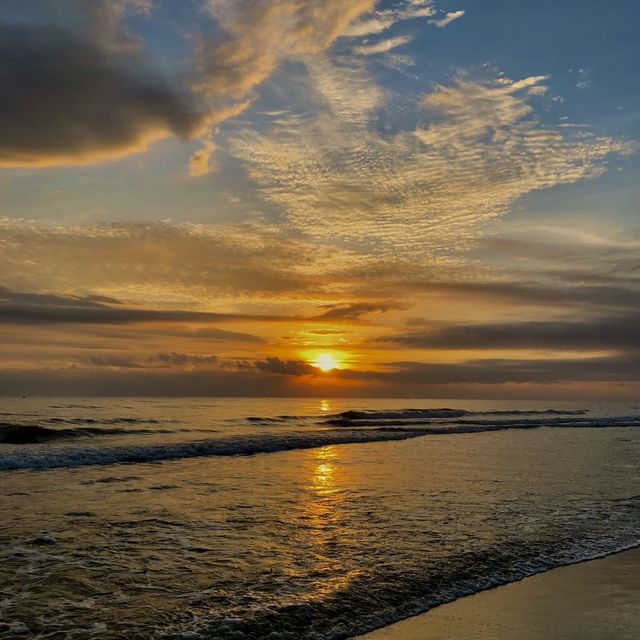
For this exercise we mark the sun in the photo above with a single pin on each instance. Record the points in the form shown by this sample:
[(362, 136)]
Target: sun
[(326, 362)]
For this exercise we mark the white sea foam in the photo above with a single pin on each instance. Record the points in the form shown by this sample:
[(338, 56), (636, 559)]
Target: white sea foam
[(352, 430)]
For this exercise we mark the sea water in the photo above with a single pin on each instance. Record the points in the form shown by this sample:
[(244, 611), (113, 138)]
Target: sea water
[(295, 519)]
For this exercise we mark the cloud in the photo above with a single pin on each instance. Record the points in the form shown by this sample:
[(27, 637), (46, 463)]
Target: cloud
[(204, 334), (353, 310), (286, 367), (260, 34), (76, 93), (620, 368), (584, 377), (571, 266), (328, 332), (172, 358), (45, 308), (197, 261), (66, 101), (154, 361), (559, 294), (608, 333), (384, 19), (382, 46), (336, 175), (111, 360), (450, 17), (103, 22), (85, 64), (187, 332), (199, 382), (201, 163), (607, 257), (34, 308), (584, 79), (231, 266), (48, 299), (214, 334)]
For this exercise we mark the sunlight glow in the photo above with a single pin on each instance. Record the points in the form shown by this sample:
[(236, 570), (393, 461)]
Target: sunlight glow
[(326, 362)]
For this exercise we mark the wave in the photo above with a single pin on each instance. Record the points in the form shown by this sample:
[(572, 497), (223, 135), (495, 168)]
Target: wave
[(104, 421), (372, 601), (521, 412), (242, 445), (381, 593), (444, 413), (440, 413), (271, 419), (519, 423), (400, 414), (380, 431), (14, 433)]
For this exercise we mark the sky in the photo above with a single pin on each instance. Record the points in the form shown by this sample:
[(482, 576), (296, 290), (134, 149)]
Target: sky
[(404, 198)]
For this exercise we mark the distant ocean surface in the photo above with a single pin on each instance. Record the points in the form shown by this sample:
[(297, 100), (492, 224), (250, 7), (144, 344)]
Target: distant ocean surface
[(295, 519)]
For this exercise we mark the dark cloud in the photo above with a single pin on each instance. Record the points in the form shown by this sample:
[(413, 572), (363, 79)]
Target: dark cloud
[(157, 360), (615, 286), (541, 378), (579, 262), (220, 335), (181, 359), (611, 333), (530, 293), (559, 269), (33, 308), (502, 371), (90, 382), (353, 311), (113, 360), (64, 100), (286, 367), (49, 299), (187, 331), (198, 382), (565, 247)]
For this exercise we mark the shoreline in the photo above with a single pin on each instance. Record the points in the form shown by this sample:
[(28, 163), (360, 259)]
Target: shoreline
[(592, 599)]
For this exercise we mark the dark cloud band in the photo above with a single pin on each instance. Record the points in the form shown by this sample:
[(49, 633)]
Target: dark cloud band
[(610, 333)]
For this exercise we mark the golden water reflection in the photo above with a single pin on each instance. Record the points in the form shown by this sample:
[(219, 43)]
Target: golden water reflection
[(323, 477), (325, 405), (327, 532)]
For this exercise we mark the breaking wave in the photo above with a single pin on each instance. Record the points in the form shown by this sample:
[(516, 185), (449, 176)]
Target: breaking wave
[(383, 597), (349, 432), (14, 433), (618, 421), (105, 421), (446, 413), (241, 445)]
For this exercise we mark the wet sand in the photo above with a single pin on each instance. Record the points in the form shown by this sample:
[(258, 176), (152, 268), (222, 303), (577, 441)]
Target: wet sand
[(596, 600)]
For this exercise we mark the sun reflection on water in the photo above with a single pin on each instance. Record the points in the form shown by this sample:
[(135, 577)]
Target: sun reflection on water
[(326, 527), (322, 479)]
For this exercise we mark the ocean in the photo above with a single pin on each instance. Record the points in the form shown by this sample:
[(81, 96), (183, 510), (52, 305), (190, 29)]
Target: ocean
[(295, 519)]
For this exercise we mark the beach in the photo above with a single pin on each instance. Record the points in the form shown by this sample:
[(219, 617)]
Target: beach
[(595, 600)]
